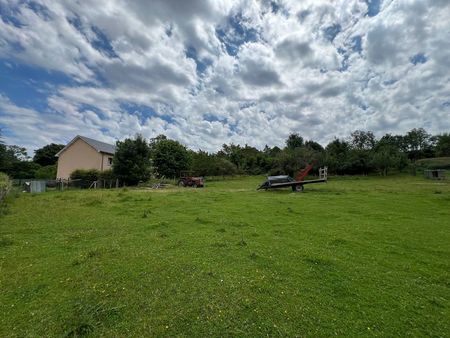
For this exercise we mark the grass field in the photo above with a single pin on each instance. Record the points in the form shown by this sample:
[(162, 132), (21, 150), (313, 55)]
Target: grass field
[(354, 257)]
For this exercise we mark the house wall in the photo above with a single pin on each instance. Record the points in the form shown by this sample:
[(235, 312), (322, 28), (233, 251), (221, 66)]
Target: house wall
[(79, 155), (105, 161)]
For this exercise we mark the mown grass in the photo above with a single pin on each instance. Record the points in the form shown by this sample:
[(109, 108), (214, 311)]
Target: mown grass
[(354, 257)]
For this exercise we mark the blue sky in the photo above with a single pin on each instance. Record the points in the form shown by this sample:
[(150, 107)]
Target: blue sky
[(213, 72)]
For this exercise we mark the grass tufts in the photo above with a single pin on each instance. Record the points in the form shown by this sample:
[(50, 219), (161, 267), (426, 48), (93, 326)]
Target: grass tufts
[(219, 245), (5, 241), (92, 202), (80, 330), (242, 242)]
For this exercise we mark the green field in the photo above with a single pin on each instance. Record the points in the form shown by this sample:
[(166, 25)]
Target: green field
[(354, 257)]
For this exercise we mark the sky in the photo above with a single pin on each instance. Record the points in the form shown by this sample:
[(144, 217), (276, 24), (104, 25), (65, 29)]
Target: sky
[(222, 71)]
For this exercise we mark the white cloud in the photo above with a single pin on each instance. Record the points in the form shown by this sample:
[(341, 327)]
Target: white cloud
[(214, 72)]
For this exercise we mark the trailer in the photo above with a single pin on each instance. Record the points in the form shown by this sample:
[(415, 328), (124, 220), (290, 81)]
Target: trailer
[(297, 184)]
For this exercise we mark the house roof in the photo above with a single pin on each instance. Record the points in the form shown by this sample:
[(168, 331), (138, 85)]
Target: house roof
[(101, 147)]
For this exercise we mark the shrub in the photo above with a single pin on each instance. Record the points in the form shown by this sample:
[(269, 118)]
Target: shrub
[(85, 175), (107, 175)]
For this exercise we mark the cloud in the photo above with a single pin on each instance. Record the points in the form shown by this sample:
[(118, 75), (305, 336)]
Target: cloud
[(214, 72)]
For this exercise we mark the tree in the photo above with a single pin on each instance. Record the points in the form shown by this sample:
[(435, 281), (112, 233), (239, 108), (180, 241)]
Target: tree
[(223, 167), (337, 156), (313, 145), (233, 153), (292, 160), (23, 169), (293, 141), (443, 145), (363, 140), (253, 161), (387, 155), (46, 172), (202, 163), (46, 155), (14, 161), (205, 164), (169, 157), (361, 152), (131, 162), (416, 141), (395, 141)]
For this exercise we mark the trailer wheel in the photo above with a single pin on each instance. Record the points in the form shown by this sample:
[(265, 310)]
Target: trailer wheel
[(298, 188), (180, 183)]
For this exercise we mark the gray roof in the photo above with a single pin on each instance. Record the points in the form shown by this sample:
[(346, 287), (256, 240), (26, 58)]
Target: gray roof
[(101, 147)]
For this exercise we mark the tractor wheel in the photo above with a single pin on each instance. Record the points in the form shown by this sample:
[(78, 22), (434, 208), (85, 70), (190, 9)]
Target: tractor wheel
[(194, 185), (180, 183)]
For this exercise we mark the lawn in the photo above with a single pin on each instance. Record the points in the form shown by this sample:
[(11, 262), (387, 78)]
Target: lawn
[(353, 257)]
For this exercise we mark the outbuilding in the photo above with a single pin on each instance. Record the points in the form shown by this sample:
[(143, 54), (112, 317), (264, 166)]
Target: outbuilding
[(84, 153), (436, 174)]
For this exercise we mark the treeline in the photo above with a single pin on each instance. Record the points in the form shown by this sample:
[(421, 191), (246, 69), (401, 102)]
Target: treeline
[(137, 159), (360, 153), (15, 162)]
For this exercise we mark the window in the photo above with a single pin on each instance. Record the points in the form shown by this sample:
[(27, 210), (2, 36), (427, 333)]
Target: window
[(110, 160)]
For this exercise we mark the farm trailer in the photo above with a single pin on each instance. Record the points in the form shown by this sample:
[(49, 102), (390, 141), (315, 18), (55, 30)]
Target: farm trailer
[(297, 184)]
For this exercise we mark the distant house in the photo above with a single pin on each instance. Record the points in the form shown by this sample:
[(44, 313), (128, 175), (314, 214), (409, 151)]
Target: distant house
[(84, 153)]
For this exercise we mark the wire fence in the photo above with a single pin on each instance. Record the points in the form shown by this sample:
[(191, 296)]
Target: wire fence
[(29, 184), (63, 184)]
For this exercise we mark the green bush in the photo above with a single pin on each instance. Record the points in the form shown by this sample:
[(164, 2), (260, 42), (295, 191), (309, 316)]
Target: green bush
[(89, 175), (107, 175)]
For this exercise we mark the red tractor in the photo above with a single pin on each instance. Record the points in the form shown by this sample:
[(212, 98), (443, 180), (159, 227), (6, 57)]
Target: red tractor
[(187, 180)]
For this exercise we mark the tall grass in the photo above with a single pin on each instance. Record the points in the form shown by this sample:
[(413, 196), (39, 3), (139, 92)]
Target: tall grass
[(5, 186)]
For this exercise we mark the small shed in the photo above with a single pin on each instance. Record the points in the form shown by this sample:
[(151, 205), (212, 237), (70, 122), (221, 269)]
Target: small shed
[(435, 174), (35, 186)]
